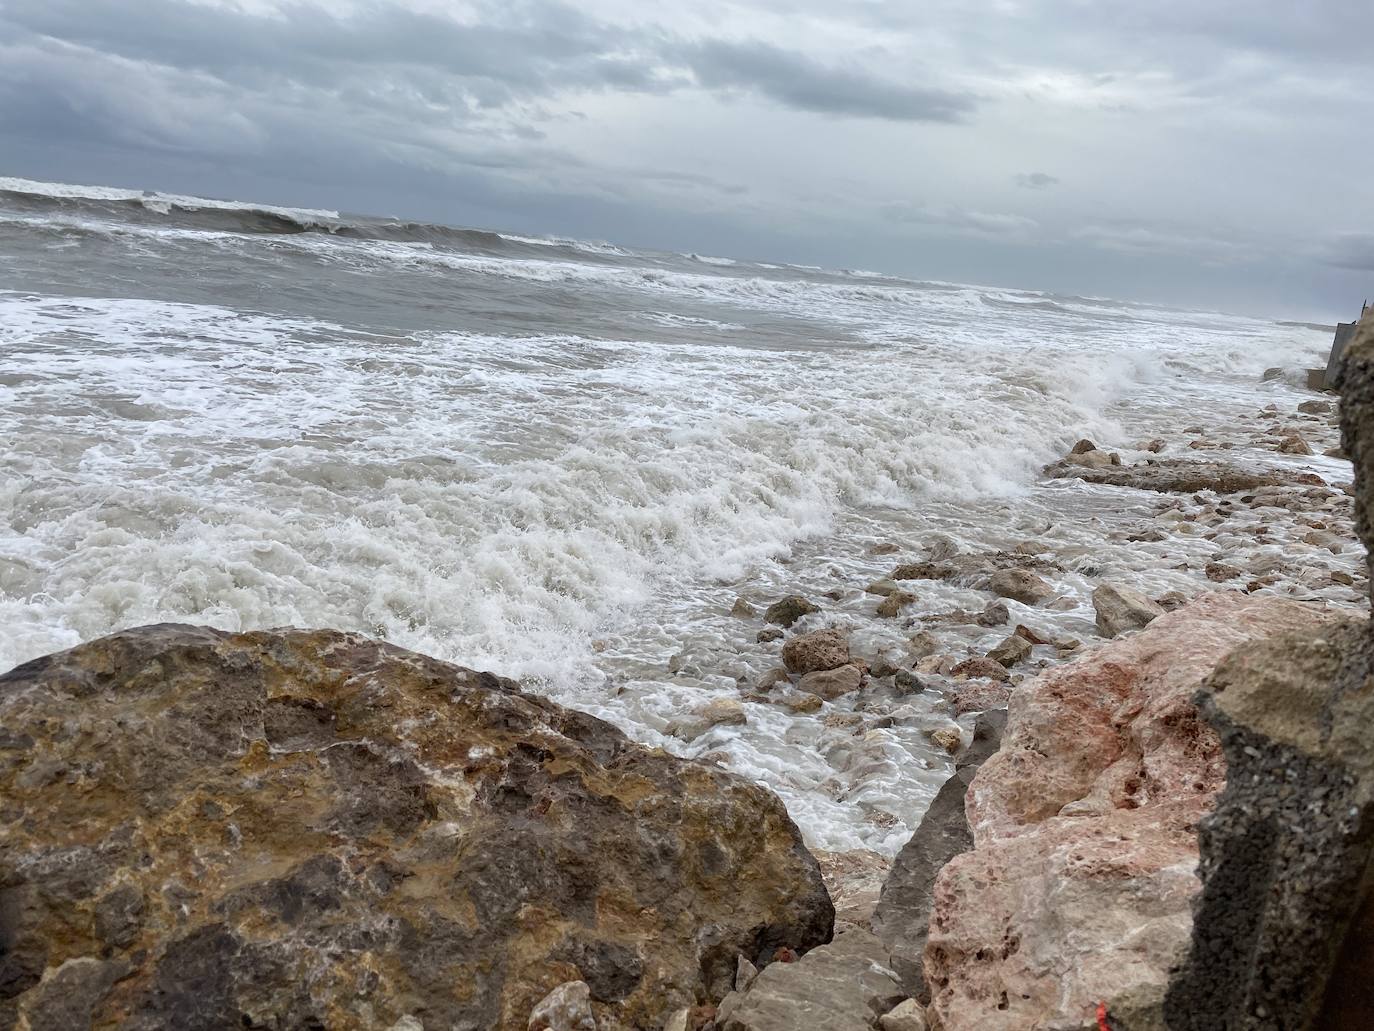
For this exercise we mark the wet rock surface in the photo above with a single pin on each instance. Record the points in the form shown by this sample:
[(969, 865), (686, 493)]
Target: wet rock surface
[(1079, 887), (310, 829)]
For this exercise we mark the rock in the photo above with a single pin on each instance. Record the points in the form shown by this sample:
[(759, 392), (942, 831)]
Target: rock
[(951, 739), (567, 1008), (995, 613), (742, 609), (1286, 853), (1020, 585), (1336, 452), (893, 604), (882, 588), (909, 1016), (681, 1020), (723, 712), (774, 678), (1083, 447), (1011, 651), (843, 986), (980, 666), (1172, 600), (1120, 609), (818, 650), (1219, 572), (907, 682), (1094, 460), (1175, 476), (1272, 373), (922, 643), (830, 684), (1316, 407), (854, 879), (1154, 446), (745, 972), (885, 548), (312, 829), (788, 610), (922, 571), (902, 917), (942, 664), (1026, 633), (882, 667), (769, 634), (803, 704), (979, 696), (1084, 831), (1293, 444)]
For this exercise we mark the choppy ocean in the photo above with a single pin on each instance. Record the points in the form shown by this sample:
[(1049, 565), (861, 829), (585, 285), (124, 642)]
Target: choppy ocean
[(558, 460)]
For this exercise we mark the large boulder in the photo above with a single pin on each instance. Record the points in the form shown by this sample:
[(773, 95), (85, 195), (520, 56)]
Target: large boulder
[(1079, 887), (297, 829)]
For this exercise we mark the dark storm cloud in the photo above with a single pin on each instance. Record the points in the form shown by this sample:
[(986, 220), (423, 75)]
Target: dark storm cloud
[(1036, 180), (514, 51), (796, 81)]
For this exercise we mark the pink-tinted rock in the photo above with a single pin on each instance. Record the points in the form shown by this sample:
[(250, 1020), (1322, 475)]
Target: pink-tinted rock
[(1079, 887)]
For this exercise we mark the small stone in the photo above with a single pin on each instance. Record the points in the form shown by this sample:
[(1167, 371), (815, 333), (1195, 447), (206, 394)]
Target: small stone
[(803, 704), (893, 604), (909, 1016), (745, 972), (769, 633), (1083, 447), (1011, 651), (951, 739), (1342, 577), (773, 678), (1120, 609), (941, 664), (1030, 635), (830, 684), (1219, 572), (885, 548), (923, 643), (1316, 407), (979, 696), (742, 609), (567, 1008), (980, 667), (882, 588), (1294, 445), (1335, 452), (788, 610), (679, 1020), (1020, 585), (723, 712), (1153, 446), (883, 667), (818, 650), (995, 613), (908, 683), (1172, 600)]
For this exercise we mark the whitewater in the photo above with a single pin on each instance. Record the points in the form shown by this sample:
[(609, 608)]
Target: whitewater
[(561, 461)]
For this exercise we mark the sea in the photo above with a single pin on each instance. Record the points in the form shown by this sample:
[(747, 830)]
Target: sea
[(564, 460)]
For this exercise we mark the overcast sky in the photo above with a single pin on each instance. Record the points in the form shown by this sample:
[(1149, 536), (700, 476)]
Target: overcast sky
[(1206, 152)]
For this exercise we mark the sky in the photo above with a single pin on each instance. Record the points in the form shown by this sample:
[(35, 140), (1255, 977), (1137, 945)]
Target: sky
[(1211, 153)]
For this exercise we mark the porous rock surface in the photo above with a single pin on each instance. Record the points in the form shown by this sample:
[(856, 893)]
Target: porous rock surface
[(1079, 886), (310, 829)]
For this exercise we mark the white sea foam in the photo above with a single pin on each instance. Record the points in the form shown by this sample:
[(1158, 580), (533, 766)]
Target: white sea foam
[(570, 510)]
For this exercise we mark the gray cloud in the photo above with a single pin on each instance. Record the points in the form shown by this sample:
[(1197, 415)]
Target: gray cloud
[(981, 222), (1036, 180), (796, 81), (1350, 251)]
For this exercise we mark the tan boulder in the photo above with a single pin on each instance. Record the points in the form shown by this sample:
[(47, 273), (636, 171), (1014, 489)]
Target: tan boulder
[(1120, 609), (1084, 827), (830, 684), (310, 829), (1020, 585), (818, 650), (893, 604)]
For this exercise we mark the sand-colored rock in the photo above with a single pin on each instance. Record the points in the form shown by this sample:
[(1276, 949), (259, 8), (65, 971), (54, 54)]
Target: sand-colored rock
[(567, 1008), (1120, 609), (818, 650), (894, 603), (981, 666), (1080, 884), (1020, 585), (830, 684), (788, 610), (312, 829)]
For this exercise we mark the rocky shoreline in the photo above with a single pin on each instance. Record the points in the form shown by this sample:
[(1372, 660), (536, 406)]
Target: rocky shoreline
[(312, 829)]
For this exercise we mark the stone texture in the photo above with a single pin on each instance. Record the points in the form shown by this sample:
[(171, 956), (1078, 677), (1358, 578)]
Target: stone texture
[(1011, 651), (981, 666), (788, 610), (901, 919), (830, 684), (818, 650), (1080, 884), (567, 1008), (909, 1016), (844, 986), (1176, 476), (309, 829), (1020, 585), (1120, 609), (721, 712), (1286, 851), (894, 603)]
